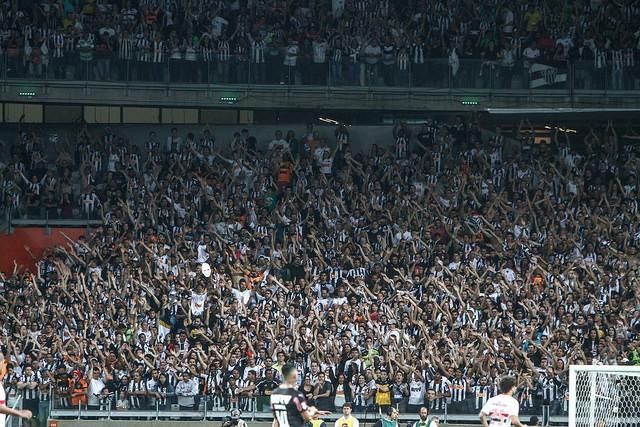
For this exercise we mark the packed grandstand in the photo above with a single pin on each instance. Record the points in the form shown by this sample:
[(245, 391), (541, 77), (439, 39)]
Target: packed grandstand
[(472, 43), (417, 272), (412, 273)]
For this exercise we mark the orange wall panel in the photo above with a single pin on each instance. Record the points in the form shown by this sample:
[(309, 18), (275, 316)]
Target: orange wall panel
[(37, 239)]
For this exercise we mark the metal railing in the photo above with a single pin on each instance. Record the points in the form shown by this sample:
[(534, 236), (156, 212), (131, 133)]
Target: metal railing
[(119, 405), (41, 217), (433, 73), (217, 408), (256, 408)]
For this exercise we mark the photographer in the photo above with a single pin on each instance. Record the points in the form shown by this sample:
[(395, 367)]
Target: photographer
[(234, 420)]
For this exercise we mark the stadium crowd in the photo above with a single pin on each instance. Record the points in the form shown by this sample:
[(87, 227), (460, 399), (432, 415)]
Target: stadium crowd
[(358, 42), (406, 275)]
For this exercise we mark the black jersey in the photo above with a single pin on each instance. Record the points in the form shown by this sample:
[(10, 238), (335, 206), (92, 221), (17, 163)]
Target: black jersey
[(287, 405)]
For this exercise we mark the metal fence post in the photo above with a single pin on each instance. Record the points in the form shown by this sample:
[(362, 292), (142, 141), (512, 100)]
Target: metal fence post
[(446, 413), (205, 406), (10, 220), (20, 422)]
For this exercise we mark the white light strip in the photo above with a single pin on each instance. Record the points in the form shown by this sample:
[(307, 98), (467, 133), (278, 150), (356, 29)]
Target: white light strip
[(326, 120)]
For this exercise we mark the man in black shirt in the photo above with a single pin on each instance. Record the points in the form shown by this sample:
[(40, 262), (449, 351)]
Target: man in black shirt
[(265, 388), (289, 406)]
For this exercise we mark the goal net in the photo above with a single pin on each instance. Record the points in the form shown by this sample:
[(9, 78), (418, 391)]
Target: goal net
[(604, 396)]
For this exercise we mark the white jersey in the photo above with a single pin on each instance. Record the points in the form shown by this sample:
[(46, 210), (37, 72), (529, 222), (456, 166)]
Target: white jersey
[(500, 409), (198, 303), (416, 393)]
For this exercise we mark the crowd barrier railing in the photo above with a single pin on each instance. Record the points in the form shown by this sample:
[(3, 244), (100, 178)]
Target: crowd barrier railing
[(449, 73)]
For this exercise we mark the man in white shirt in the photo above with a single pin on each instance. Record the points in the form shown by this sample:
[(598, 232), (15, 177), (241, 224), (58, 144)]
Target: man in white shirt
[(319, 48), (186, 390), (319, 152), (290, 62), (508, 274), (507, 19), (372, 53), (244, 294), (152, 388), (417, 393), (502, 410), (96, 385), (279, 143), (530, 54), (174, 142)]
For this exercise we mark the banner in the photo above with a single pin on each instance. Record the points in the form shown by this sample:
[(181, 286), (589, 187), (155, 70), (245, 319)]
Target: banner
[(544, 75), (164, 329), (197, 303)]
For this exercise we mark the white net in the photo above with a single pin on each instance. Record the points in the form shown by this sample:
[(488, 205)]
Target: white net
[(604, 396)]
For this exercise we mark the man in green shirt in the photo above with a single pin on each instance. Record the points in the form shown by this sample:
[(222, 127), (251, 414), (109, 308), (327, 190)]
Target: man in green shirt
[(425, 420), (390, 419)]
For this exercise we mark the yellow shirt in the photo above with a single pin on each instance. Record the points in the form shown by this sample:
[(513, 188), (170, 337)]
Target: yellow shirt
[(383, 394), (533, 19), (347, 422)]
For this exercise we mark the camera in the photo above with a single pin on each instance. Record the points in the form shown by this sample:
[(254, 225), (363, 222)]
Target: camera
[(234, 420), (229, 422)]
